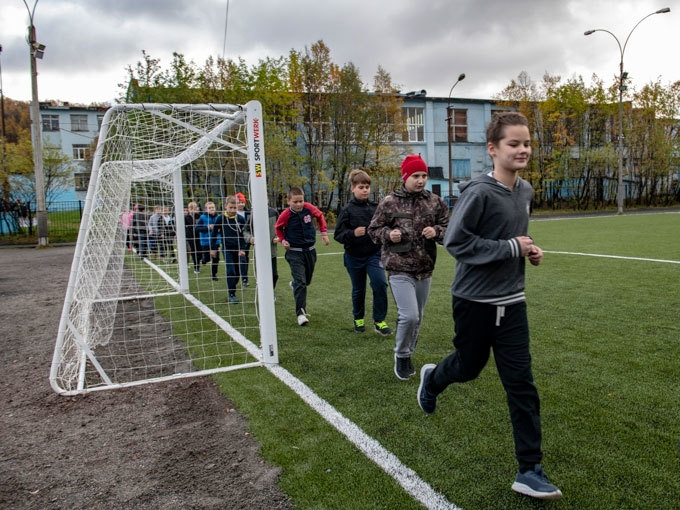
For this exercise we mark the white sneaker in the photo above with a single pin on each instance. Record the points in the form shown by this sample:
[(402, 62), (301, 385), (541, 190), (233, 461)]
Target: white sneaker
[(302, 319)]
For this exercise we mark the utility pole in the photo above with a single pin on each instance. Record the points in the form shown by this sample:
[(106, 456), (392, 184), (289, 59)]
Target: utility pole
[(37, 50), (5, 191)]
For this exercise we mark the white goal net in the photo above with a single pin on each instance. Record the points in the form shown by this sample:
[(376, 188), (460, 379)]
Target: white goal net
[(166, 281)]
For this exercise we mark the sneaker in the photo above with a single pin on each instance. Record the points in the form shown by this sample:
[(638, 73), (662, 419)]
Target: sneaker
[(382, 328), (426, 400), (536, 485), (215, 279), (233, 298), (244, 283), (411, 368), (359, 325), (197, 271), (302, 318), (401, 368)]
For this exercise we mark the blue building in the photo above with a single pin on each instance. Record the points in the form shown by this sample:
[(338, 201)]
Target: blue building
[(426, 125), (73, 129)]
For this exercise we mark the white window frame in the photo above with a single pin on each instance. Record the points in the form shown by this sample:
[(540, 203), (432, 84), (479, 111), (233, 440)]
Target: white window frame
[(77, 123), (80, 151), (50, 122), (414, 124)]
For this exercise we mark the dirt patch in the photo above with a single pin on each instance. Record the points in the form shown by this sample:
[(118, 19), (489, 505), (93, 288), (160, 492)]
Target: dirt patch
[(169, 445)]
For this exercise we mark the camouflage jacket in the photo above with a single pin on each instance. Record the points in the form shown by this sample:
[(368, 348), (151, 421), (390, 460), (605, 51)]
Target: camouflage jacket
[(411, 213)]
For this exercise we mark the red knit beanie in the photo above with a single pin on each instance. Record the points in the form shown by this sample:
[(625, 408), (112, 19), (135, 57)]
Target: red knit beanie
[(412, 163)]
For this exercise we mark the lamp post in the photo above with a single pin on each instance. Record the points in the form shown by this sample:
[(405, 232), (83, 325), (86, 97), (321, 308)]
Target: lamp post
[(37, 50), (622, 87), (449, 131)]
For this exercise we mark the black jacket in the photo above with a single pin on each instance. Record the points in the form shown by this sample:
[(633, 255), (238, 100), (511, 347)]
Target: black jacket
[(357, 213)]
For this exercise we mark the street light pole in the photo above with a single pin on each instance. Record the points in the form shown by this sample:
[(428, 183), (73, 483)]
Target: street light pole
[(36, 51), (622, 87), (449, 131)]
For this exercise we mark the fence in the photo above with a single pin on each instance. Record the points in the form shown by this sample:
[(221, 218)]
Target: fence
[(18, 223)]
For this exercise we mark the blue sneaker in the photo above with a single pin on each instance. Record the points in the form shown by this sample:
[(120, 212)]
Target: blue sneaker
[(536, 485), (233, 298), (426, 400)]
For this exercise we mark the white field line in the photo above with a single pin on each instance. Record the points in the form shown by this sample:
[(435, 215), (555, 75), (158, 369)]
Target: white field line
[(612, 256), (404, 476), (387, 461)]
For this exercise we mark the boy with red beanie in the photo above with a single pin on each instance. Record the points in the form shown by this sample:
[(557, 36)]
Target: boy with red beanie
[(408, 223)]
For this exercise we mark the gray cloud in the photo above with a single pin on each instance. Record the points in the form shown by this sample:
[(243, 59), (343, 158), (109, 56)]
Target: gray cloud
[(421, 44)]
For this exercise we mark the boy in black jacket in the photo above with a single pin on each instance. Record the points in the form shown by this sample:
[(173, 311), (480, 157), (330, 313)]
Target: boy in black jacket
[(362, 255), (231, 228)]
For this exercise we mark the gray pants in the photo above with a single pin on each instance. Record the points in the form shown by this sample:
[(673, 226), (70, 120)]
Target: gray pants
[(410, 296)]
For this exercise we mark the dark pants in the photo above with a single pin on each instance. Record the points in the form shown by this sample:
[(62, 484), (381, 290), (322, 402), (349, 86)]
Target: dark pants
[(301, 269), (205, 257), (244, 261), (358, 268), (141, 244), (231, 260), (479, 328), (193, 252), (275, 272)]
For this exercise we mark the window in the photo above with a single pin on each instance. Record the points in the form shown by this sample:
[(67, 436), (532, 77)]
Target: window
[(460, 130), (461, 168), (50, 122), (81, 181), (414, 124), (80, 151), (100, 119), (78, 122)]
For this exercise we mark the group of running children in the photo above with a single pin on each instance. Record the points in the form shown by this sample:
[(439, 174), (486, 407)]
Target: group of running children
[(487, 234)]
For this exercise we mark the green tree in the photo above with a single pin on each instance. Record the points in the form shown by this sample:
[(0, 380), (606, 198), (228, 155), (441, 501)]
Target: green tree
[(58, 169)]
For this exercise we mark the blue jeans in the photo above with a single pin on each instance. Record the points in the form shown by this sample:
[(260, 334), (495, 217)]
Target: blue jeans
[(358, 268)]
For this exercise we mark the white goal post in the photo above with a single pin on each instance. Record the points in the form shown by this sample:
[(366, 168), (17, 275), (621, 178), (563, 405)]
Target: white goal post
[(147, 298)]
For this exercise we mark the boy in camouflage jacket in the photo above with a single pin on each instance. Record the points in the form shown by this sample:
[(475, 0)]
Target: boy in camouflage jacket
[(408, 223)]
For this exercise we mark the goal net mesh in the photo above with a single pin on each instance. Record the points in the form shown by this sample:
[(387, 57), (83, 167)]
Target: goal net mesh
[(148, 297)]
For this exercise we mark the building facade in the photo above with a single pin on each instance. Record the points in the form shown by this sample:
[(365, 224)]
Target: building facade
[(427, 131), (73, 129)]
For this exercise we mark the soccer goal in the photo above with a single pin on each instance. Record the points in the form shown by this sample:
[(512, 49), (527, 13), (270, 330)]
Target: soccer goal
[(142, 304)]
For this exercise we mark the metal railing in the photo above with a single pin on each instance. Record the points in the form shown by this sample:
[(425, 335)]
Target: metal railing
[(18, 222)]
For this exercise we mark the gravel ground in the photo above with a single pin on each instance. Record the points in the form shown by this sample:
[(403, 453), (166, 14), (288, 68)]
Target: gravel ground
[(169, 445)]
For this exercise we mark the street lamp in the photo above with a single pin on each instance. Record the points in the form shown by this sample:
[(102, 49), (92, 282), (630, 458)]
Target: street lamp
[(622, 87), (449, 130), (37, 50)]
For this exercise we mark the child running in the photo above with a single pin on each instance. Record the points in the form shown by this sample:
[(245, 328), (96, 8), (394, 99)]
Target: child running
[(297, 234), (231, 228), (204, 227), (362, 255), (488, 237), (408, 223)]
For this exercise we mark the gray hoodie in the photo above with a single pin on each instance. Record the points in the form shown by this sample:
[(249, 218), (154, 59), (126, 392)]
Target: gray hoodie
[(481, 236)]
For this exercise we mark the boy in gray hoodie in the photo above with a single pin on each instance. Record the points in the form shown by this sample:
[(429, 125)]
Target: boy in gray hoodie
[(487, 235)]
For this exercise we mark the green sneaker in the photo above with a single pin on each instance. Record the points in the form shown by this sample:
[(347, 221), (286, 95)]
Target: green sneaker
[(382, 328), (359, 325)]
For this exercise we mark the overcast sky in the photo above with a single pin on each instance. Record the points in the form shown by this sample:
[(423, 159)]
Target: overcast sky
[(422, 44)]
